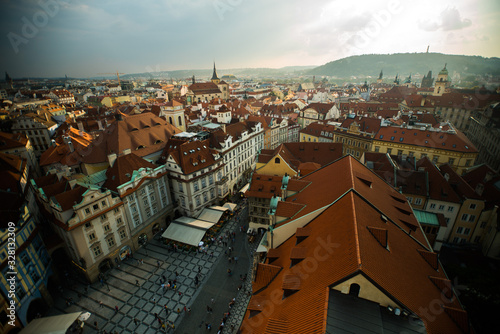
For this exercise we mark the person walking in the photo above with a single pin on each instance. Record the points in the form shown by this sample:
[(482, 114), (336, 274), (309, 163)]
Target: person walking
[(100, 304), (136, 321), (116, 308)]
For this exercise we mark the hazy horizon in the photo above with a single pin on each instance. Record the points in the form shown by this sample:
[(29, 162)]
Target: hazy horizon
[(54, 38)]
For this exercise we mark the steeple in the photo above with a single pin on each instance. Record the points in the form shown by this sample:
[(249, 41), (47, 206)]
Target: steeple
[(214, 75), (194, 80), (381, 74)]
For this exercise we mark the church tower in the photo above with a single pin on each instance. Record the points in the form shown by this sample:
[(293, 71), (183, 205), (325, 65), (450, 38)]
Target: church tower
[(379, 80), (215, 79), (442, 82)]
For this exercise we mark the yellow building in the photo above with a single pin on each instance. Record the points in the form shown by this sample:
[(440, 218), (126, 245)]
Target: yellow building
[(440, 146), (297, 159)]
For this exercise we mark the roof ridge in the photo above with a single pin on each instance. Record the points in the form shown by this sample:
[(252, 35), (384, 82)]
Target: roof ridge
[(356, 234)]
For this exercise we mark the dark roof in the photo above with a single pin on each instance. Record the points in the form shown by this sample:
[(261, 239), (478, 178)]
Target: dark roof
[(122, 170)]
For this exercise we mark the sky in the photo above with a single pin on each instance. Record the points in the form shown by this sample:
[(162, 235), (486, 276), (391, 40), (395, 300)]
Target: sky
[(81, 38)]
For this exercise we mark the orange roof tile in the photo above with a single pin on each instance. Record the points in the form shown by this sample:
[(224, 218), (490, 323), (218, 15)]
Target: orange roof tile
[(340, 245)]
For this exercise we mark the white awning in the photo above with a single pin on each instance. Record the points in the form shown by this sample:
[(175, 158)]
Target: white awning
[(230, 206), (58, 324), (220, 208), (245, 188), (210, 215), (187, 230)]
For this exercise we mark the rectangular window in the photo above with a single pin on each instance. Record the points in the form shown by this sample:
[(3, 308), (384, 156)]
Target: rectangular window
[(472, 206), (410, 199), (97, 250), (103, 216), (123, 234), (203, 183), (152, 197), (411, 154), (435, 159), (116, 210), (418, 201), (195, 185), (468, 162), (205, 197), (467, 231), (441, 208), (389, 150), (91, 237), (111, 242), (119, 221), (400, 152), (25, 258), (377, 148), (210, 179), (146, 203), (433, 206), (460, 230), (181, 188), (96, 207), (133, 209), (88, 225), (106, 228), (87, 211), (465, 217), (103, 203), (198, 200), (476, 239), (451, 161), (183, 202), (451, 208), (472, 218)]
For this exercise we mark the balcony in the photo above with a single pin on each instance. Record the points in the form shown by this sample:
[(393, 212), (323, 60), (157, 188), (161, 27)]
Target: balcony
[(222, 181)]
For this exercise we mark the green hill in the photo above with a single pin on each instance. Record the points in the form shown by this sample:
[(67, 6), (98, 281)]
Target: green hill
[(406, 63)]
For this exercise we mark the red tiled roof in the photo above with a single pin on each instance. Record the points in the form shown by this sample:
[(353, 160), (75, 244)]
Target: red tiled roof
[(122, 170), (425, 138), (287, 209), (70, 197), (191, 156), (340, 246), (439, 189)]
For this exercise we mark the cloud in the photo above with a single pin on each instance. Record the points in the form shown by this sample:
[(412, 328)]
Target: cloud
[(449, 19)]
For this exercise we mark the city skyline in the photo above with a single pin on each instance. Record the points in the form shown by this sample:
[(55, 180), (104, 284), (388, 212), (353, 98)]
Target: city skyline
[(52, 38)]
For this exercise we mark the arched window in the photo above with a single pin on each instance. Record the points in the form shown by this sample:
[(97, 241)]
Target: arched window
[(180, 120), (170, 120), (277, 160), (354, 290)]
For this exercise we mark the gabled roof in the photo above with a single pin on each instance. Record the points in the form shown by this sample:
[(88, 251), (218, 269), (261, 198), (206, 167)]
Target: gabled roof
[(484, 177), (296, 154), (144, 134), (462, 188), (12, 140), (439, 189), (70, 197), (350, 237), (11, 171), (200, 88), (321, 108), (122, 170), (191, 156)]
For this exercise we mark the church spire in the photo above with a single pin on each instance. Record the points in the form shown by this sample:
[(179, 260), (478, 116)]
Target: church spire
[(215, 79), (214, 75)]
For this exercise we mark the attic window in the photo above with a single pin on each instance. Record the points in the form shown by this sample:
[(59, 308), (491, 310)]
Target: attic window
[(443, 144), (185, 153), (381, 136), (140, 146), (401, 139), (134, 129), (158, 141), (392, 138), (414, 133), (398, 199)]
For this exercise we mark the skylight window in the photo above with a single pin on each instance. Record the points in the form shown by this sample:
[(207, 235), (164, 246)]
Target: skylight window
[(392, 138), (401, 139)]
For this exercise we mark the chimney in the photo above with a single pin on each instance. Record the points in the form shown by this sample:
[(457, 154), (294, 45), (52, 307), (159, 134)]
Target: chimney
[(70, 146), (111, 159), (447, 177), (47, 117), (127, 151), (80, 126), (99, 123)]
